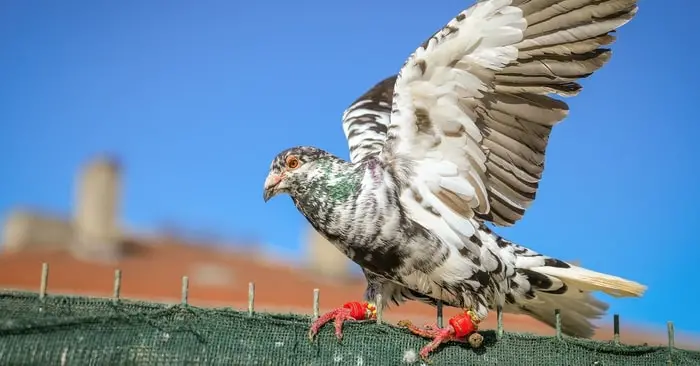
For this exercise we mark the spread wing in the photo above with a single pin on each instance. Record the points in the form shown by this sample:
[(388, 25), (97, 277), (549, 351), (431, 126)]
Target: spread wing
[(365, 121), (471, 113)]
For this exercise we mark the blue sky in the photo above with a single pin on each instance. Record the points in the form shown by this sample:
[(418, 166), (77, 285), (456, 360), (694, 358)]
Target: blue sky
[(197, 99)]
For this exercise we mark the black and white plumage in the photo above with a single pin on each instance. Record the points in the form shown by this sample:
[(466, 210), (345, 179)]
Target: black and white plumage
[(455, 140)]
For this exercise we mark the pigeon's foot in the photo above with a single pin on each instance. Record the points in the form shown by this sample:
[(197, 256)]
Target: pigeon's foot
[(350, 311), (462, 329)]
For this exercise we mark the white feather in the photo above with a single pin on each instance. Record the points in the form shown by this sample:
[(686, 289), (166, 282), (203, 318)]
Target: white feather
[(484, 38), (589, 280)]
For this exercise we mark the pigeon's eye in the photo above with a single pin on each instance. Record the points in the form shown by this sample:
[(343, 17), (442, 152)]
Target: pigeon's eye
[(292, 162)]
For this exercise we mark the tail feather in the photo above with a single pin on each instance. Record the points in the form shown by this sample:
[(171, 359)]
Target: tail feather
[(568, 288), (578, 311), (588, 280)]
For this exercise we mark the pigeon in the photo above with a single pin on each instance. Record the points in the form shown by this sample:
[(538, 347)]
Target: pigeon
[(448, 148)]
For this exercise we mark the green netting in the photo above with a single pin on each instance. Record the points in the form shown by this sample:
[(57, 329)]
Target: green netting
[(62, 330)]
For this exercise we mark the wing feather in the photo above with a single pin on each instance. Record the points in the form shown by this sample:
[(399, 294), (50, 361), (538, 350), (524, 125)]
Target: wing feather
[(471, 115), (365, 121), (481, 83)]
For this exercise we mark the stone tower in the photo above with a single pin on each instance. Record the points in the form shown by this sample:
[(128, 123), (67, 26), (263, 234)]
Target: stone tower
[(97, 234), (324, 258)]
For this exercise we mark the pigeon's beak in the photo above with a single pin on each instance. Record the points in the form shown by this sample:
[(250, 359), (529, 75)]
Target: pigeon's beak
[(271, 183)]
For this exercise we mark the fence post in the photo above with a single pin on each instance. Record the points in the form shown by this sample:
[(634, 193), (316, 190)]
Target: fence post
[(251, 298), (671, 342), (499, 321), (317, 295), (44, 280), (116, 291), (185, 290)]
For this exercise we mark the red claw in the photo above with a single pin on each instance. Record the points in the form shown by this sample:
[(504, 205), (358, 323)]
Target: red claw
[(350, 311), (462, 329)]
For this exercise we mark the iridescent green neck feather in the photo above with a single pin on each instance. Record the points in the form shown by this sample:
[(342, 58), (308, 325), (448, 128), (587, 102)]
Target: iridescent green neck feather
[(334, 180)]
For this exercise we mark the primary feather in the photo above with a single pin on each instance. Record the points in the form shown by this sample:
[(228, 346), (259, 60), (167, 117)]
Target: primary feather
[(455, 140)]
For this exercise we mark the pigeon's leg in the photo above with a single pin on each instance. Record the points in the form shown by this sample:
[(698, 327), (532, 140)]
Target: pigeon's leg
[(350, 311), (462, 329)]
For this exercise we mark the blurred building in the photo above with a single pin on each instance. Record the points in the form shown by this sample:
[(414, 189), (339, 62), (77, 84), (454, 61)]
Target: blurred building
[(92, 233), (31, 230), (97, 234)]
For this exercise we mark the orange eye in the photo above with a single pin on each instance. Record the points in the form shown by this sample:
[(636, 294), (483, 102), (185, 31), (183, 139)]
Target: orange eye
[(292, 162)]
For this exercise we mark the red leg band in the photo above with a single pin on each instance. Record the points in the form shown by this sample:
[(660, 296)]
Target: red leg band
[(358, 310), (463, 325)]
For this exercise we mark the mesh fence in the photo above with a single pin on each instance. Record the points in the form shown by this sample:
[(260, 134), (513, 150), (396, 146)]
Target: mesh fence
[(63, 330)]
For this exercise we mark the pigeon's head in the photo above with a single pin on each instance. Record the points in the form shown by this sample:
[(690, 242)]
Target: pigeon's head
[(290, 168)]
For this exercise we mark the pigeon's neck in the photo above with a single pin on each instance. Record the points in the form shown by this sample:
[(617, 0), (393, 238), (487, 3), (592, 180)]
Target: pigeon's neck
[(357, 208), (335, 181), (328, 191), (331, 196)]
